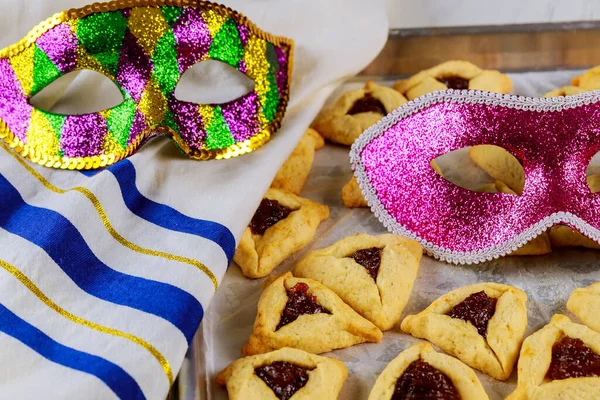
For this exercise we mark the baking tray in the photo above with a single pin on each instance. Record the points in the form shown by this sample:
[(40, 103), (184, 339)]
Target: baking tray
[(541, 57)]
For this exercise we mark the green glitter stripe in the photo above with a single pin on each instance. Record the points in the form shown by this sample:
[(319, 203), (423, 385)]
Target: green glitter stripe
[(227, 45), (102, 36), (166, 67), (219, 136), (271, 98), (44, 70), (171, 13), (272, 58), (170, 121), (110, 61), (120, 120), (56, 121)]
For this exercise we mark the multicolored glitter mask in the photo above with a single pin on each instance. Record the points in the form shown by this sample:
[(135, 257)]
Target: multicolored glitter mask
[(554, 139), (144, 46)]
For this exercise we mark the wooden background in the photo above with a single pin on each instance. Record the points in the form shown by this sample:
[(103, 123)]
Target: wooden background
[(509, 48)]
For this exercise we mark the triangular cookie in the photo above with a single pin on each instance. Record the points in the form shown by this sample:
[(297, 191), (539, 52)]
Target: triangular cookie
[(424, 373), (355, 111), (500, 165), (304, 314), (453, 74), (352, 195), (282, 225), (560, 361), (564, 91), (292, 175), (284, 374), (589, 80), (372, 274), (585, 304), (565, 236), (482, 325)]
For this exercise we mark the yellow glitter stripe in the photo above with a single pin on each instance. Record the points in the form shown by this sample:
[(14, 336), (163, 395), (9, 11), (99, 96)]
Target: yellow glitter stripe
[(110, 145), (153, 103), (22, 64), (86, 61), (147, 25), (257, 66), (41, 134), (84, 322), (104, 218), (214, 21), (207, 113)]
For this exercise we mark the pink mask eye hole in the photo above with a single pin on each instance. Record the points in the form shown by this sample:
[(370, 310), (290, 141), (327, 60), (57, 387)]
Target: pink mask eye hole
[(197, 84), (482, 168), (593, 173), (77, 93)]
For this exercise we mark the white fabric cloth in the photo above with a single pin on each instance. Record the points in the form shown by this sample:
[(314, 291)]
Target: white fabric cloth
[(134, 227)]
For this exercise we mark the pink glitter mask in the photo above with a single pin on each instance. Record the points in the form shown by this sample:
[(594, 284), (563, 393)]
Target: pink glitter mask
[(554, 139), (144, 47)]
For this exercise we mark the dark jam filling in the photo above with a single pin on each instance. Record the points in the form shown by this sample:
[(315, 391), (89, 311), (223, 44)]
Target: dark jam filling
[(283, 378), (370, 259), (571, 358), (477, 309), (269, 212), (299, 302), (421, 381), (367, 103), (455, 82)]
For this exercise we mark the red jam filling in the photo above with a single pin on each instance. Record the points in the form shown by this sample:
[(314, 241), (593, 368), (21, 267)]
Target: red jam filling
[(269, 212), (283, 378), (370, 259), (421, 381), (477, 309), (367, 103), (455, 82), (571, 358), (299, 302)]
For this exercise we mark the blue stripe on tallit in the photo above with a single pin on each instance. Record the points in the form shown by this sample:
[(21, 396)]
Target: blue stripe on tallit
[(115, 377), (91, 172), (58, 237), (165, 216)]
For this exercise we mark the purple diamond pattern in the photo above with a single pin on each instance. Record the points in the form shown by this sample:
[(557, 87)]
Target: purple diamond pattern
[(192, 37), (241, 116), (139, 125), (60, 44), (189, 120), (282, 74), (14, 108), (244, 34), (83, 135), (135, 67)]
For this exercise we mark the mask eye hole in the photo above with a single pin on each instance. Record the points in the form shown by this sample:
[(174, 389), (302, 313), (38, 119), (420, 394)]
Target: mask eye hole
[(593, 173), (482, 168), (212, 82), (78, 92)]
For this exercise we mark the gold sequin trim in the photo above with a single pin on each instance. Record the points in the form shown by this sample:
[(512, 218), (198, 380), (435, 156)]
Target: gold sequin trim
[(84, 322), (109, 227), (36, 155)]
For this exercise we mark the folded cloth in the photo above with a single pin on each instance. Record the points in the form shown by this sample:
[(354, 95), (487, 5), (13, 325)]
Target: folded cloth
[(105, 275)]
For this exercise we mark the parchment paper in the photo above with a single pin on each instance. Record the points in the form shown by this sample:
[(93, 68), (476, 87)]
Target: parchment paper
[(547, 280)]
